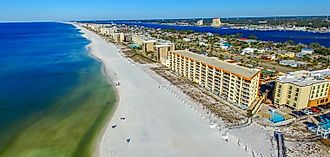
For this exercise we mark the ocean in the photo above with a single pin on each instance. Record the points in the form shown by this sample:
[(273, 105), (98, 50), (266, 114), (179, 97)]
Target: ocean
[(54, 98), (271, 35)]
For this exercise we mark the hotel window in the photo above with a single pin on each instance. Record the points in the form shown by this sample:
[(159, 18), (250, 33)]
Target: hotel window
[(296, 99), (288, 102), (297, 94), (277, 101), (297, 90), (322, 101), (294, 104), (290, 87), (289, 96)]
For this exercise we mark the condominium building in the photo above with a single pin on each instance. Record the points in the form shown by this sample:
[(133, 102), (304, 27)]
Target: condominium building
[(108, 31), (303, 89), (162, 49), (146, 43), (216, 22), (236, 84), (118, 37)]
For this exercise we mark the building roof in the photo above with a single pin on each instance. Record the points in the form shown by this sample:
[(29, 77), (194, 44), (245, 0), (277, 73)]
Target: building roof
[(246, 72), (307, 49), (305, 78)]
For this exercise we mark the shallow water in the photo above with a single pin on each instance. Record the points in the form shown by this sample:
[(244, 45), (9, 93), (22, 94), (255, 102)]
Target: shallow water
[(54, 98)]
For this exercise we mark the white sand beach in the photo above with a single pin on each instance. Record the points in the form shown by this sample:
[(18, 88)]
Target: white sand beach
[(157, 123)]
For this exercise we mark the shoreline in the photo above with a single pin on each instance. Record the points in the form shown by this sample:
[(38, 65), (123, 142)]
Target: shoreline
[(249, 28), (262, 35), (110, 79), (178, 125)]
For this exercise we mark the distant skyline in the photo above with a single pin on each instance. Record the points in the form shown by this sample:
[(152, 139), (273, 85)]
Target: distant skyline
[(66, 10)]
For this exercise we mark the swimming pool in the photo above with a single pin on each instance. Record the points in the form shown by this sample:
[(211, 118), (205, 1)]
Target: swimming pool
[(276, 117)]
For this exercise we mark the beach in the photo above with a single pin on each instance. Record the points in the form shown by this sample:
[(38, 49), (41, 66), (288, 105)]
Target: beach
[(149, 119)]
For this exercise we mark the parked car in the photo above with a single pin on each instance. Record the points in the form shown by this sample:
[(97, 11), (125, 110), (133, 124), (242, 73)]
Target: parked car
[(307, 111), (315, 109), (299, 113)]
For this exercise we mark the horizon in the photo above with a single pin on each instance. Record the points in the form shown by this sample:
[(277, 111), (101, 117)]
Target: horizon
[(81, 10), (190, 18)]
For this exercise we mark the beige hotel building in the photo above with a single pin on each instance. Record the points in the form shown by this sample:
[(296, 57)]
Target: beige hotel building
[(235, 84), (216, 22), (303, 89)]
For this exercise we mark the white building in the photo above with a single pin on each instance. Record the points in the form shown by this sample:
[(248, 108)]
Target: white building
[(200, 23), (292, 63), (247, 51), (186, 39), (307, 51)]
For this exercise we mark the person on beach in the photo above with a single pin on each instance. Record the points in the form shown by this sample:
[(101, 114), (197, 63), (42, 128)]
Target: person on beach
[(128, 140)]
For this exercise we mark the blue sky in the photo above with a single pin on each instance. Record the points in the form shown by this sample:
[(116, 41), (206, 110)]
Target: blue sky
[(32, 10)]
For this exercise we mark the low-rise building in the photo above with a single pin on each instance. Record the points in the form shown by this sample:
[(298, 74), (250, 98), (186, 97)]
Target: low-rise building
[(285, 54), (292, 63), (307, 51), (303, 89), (238, 85), (225, 46), (247, 51), (186, 39)]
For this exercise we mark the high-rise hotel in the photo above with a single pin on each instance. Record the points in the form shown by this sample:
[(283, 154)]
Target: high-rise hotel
[(236, 84), (216, 22)]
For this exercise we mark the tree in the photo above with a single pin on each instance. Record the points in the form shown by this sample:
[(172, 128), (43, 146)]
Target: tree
[(290, 42), (315, 45), (253, 37)]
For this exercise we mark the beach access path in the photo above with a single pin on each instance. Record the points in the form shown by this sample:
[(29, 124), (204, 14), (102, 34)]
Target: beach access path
[(157, 123)]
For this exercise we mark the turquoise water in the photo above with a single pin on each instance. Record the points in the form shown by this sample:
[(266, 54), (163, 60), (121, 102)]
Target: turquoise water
[(276, 117), (53, 96)]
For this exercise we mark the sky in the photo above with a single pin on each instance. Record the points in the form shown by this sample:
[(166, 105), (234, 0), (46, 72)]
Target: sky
[(67, 10)]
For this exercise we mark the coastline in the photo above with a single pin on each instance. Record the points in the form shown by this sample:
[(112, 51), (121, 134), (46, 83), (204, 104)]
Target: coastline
[(277, 36), (110, 78), (64, 118), (158, 121)]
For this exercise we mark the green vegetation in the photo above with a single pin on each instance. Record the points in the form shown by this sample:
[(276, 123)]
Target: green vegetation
[(323, 51), (70, 128)]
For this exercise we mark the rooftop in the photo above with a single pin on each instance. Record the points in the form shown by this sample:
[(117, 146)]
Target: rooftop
[(306, 78), (246, 72)]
